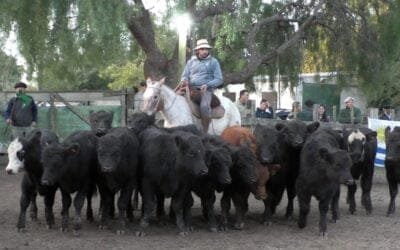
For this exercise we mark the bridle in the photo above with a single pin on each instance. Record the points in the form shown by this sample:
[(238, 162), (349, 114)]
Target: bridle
[(156, 103)]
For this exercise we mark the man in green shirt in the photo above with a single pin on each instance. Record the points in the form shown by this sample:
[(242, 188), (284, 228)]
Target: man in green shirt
[(350, 114), (307, 113)]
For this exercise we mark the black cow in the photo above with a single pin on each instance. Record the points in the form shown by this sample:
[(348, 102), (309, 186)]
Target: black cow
[(170, 162), (291, 138), (72, 165), (323, 167), (267, 144), (243, 182), (24, 154), (219, 162), (101, 121), (139, 121), (361, 143), (117, 152), (392, 165)]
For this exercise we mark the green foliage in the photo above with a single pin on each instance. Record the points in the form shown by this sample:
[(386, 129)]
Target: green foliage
[(86, 44), (123, 76), (10, 72)]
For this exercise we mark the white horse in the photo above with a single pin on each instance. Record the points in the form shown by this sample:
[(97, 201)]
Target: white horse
[(176, 110)]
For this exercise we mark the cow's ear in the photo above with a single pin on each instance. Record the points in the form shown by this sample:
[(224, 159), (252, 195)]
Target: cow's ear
[(312, 127), (36, 137), (371, 136), (180, 142), (73, 149), (324, 153)]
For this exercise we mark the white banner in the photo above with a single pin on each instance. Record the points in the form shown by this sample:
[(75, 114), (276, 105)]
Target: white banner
[(379, 126)]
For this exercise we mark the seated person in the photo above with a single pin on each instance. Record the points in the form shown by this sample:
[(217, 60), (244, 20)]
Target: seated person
[(322, 116), (264, 111), (386, 115)]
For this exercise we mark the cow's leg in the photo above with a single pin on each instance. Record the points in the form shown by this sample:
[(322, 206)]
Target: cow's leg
[(123, 203), (276, 197), (25, 199), (351, 190), (266, 220), (225, 207), (48, 210), (241, 206), (323, 210), (106, 199), (148, 206), (304, 208), (160, 211), (79, 200), (135, 205), (335, 206), (366, 185), (208, 208), (187, 211), (66, 203), (393, 189), (89, 209), (33, 209), (177, 201), (291, 193)]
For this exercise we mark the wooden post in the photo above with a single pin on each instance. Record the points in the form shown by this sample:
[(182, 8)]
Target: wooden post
[(334, 111), (124, 107), (53, 115)]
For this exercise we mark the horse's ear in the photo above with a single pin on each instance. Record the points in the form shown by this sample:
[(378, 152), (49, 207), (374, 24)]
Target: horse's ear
[(148, 81), (162, 81)]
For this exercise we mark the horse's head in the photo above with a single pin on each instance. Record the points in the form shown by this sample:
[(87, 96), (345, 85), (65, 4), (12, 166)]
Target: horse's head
[(152, 96)]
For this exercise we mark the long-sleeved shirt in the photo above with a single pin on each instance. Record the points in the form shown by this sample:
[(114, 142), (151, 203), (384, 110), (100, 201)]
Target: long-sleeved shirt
[(202, 71), (345, 115)]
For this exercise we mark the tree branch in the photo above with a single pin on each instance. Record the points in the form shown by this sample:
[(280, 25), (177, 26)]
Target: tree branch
[(256, 58)]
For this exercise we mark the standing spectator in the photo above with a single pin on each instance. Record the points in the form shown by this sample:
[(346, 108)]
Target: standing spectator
[(307, 113), (265, 110), (350, 114), (21, 112), (386, 115), (203, 74), (295, 111), (138, 98), (322, 116), (241, 103)]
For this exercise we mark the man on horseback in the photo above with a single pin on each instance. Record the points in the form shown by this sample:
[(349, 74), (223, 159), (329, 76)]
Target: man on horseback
[(202, 74)]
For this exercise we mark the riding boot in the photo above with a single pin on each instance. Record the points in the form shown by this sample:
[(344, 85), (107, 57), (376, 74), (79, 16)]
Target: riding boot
[(205, 122)]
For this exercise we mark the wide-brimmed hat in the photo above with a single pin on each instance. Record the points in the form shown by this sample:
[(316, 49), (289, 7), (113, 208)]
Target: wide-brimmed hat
[(20, 85), (202, 44), (349, 98)]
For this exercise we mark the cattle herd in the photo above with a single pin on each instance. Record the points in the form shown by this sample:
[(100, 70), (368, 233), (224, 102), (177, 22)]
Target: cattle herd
[(143, 160)]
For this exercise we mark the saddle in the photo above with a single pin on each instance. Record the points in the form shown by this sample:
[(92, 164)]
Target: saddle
[(193, 97)]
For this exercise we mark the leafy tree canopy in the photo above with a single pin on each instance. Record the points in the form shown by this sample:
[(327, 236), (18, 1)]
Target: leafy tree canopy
[(72, 44)]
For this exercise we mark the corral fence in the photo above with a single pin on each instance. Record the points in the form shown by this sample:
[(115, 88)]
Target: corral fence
[(65, 112)]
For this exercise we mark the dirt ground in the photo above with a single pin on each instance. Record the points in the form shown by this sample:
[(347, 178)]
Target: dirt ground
[(357, 231)]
